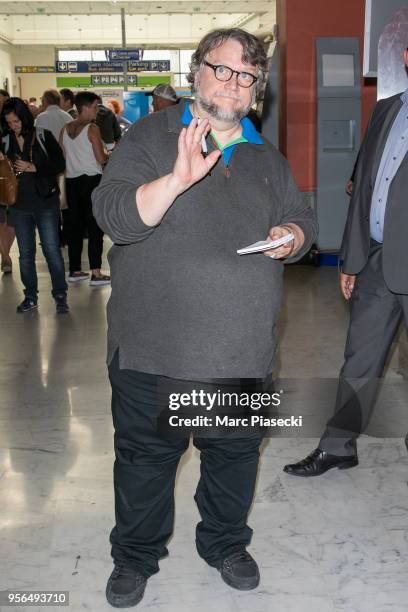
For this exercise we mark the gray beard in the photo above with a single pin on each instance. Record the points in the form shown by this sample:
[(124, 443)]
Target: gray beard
[(219, 113)]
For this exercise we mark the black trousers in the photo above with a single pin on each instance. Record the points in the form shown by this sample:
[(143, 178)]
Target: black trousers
[(375, 315), (144, 477), (79, 191)]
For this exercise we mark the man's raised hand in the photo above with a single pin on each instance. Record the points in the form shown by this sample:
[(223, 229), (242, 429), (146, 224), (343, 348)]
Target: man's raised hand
[(191, 166)]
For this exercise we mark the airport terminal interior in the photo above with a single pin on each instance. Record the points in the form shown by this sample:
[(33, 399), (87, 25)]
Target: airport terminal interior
[(334, 543)]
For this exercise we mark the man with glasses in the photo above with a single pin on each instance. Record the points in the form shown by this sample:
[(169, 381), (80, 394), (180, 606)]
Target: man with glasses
[(188, 187)]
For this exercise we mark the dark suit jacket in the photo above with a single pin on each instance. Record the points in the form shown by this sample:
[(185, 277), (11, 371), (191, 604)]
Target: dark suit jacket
[(356, 239)]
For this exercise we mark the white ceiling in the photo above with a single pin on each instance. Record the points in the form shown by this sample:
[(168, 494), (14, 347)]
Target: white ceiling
[(165, 23), (97, 7)]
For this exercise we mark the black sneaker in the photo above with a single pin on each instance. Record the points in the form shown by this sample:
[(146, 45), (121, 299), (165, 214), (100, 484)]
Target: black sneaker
[(26, 305), (99, 281), (61, 304), (76, 277), (125, 588), (240, 571)]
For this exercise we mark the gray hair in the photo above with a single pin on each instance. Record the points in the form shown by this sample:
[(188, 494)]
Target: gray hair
[(253, 52)]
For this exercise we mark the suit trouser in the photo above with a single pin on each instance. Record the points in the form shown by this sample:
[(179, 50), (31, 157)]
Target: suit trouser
[(144, 478), (375, 314)]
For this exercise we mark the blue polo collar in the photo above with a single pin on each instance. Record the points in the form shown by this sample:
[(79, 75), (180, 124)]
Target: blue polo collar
[(248, 129), (404, 97)]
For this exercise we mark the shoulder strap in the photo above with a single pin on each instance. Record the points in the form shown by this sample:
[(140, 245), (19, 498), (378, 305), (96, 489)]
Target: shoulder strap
[(6, 143), (41, 139)]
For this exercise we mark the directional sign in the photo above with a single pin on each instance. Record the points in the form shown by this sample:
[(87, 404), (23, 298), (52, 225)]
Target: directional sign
[(34, 69), (149, 66), (133, 66), (124, 54), (112, 79)]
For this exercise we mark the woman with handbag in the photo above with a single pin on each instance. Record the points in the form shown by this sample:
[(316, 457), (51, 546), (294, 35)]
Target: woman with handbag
[(7, 233), (37, 159)]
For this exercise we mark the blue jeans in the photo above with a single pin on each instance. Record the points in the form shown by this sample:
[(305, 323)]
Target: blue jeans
[(47, 223)]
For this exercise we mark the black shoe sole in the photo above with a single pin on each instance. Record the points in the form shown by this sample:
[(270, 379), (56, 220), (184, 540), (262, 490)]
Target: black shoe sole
[(340, 466), (28, 310), (123, 601), (241, 584)]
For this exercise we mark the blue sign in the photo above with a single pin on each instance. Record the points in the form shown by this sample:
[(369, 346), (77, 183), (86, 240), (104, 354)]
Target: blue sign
[(124, 54), (133, 66)]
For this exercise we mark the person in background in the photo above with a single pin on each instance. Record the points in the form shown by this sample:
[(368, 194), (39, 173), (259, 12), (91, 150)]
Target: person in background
[(67, 102), (115, 108), (7, 233), (67, 105), (350, 182), (163, 96), (85, 155), (52, 118), (108, 125), (32, 105), (254, 117), (4, 95), (37, 159), (373, 279)]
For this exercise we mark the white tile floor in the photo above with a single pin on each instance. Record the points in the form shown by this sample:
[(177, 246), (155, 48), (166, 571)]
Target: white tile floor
[(334, 543)]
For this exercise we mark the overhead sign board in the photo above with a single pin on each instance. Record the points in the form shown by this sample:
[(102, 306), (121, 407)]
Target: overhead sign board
[(133, 66), (124, 54), (113, 79), (86, 82), (34, 69)]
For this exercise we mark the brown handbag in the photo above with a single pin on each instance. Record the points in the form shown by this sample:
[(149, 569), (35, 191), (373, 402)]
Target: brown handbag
[(8, 183)]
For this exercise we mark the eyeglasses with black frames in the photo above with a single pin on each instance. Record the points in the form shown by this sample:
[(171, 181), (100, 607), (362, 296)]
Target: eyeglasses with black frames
[(224, 73)]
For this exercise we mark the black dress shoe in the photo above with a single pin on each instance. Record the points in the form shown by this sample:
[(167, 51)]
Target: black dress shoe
[(125, 587), (318, 462), (240, 571)]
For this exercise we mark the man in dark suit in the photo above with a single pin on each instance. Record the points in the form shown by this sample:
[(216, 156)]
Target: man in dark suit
[(374, 278)]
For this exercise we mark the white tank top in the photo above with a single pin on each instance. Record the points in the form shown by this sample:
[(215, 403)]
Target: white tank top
[(80, 158)]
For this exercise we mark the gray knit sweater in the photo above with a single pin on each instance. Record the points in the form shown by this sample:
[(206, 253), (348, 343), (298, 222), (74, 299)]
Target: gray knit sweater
[(183, 303)]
